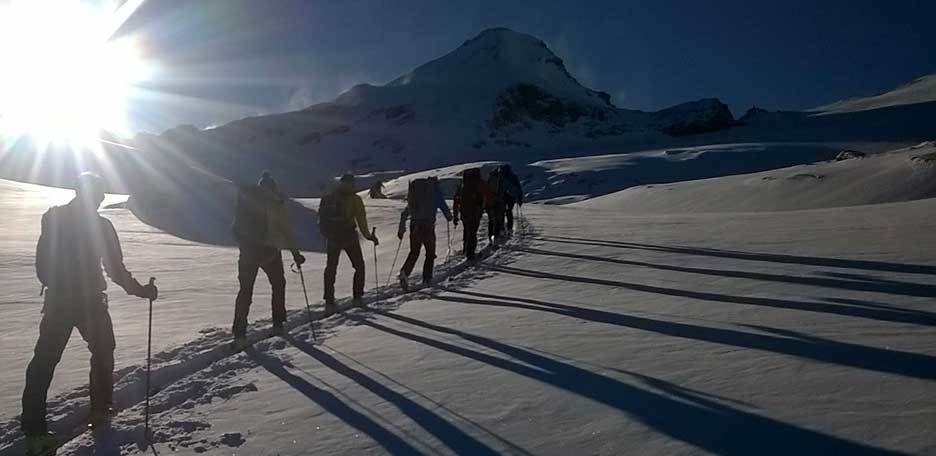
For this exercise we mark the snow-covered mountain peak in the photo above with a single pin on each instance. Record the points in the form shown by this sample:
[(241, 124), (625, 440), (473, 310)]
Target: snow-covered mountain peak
[(497, 59)]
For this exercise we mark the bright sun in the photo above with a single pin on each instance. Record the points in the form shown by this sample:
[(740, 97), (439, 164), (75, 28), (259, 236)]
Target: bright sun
[(64, 78)]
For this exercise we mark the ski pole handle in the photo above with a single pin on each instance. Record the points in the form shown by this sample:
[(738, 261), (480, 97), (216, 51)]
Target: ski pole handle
[(152, 283)]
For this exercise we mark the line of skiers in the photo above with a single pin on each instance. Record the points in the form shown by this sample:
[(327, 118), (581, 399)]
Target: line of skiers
[(75, 241)]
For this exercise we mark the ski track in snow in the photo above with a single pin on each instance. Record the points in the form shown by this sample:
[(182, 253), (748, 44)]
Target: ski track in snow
[(803, 332), (616, 334)]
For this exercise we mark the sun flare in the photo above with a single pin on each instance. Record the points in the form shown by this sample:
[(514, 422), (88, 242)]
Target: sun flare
[(65, 79)]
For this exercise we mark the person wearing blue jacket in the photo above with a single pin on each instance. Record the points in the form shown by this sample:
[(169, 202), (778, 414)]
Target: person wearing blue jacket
[(422, 202)]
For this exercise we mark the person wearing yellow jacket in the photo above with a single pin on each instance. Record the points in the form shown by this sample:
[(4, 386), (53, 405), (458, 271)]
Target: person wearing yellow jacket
[(341, 216), (262, 230)]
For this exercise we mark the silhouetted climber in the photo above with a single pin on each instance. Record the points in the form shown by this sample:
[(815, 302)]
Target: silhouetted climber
[(469, 204), (495, 206), (74, 242), (376, 191), (341, 216), (512, 194), (422, 201), (262, 230)]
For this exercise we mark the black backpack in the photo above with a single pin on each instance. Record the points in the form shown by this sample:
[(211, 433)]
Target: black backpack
[(69, 251), (472, 197), (250, 216), (420, 197), (336, 218)]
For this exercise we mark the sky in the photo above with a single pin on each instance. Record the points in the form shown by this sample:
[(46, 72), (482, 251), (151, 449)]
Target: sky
[(220, 60)]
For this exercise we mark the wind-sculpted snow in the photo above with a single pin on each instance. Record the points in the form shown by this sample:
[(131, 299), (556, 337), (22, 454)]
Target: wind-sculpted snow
[(901, 175)]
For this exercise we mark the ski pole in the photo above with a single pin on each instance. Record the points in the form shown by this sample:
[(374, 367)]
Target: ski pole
[(395, 256), (448, 237), (308, 307), (149, 356), (376, 279), (520, 219)]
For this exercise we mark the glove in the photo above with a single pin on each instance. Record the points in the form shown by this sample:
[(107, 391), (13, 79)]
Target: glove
[(520, 203), (148, 291), (400, 233), (298, 258), (455, 221), (373, 238)]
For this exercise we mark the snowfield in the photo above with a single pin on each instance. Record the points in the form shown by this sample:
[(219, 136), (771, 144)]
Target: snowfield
[(198, 283), (901, 175), (595, 332), (921, 90), (563, 180)]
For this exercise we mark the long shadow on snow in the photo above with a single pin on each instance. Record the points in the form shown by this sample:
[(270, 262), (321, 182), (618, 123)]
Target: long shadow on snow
[(703, 423), (434, 404), (457, 440), (881, 313), (752, 256), (393, 443), (907, 364)]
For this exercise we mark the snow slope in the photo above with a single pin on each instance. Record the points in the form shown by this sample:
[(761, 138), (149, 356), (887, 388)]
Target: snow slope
[(598, 333), (565, 180), (901, 175), (921, 90), (198, 283)]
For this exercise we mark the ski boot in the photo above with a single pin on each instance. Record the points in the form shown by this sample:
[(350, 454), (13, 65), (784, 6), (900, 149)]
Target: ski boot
[(41, 444), (404, 282), (101, 418), (278, 330), (239, 343), (330, 307)]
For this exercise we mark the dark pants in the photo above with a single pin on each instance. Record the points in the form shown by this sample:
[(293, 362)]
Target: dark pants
[(351, 246), (422, 234), (496, 220), (269, 259), (508, 211), (470, 237), (93, 321)]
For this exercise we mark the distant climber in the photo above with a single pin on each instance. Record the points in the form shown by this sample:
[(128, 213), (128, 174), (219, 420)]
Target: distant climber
[(422, 201), (341, 216), (513, 194), (261, 229), (376, 191), (469, 205), (495, 205), (75, 240)]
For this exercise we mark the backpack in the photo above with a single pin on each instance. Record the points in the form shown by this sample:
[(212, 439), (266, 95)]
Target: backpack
[(420, 197), (511, 186), (472, 196), (69, 251), (250, 216), (336, 216)]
